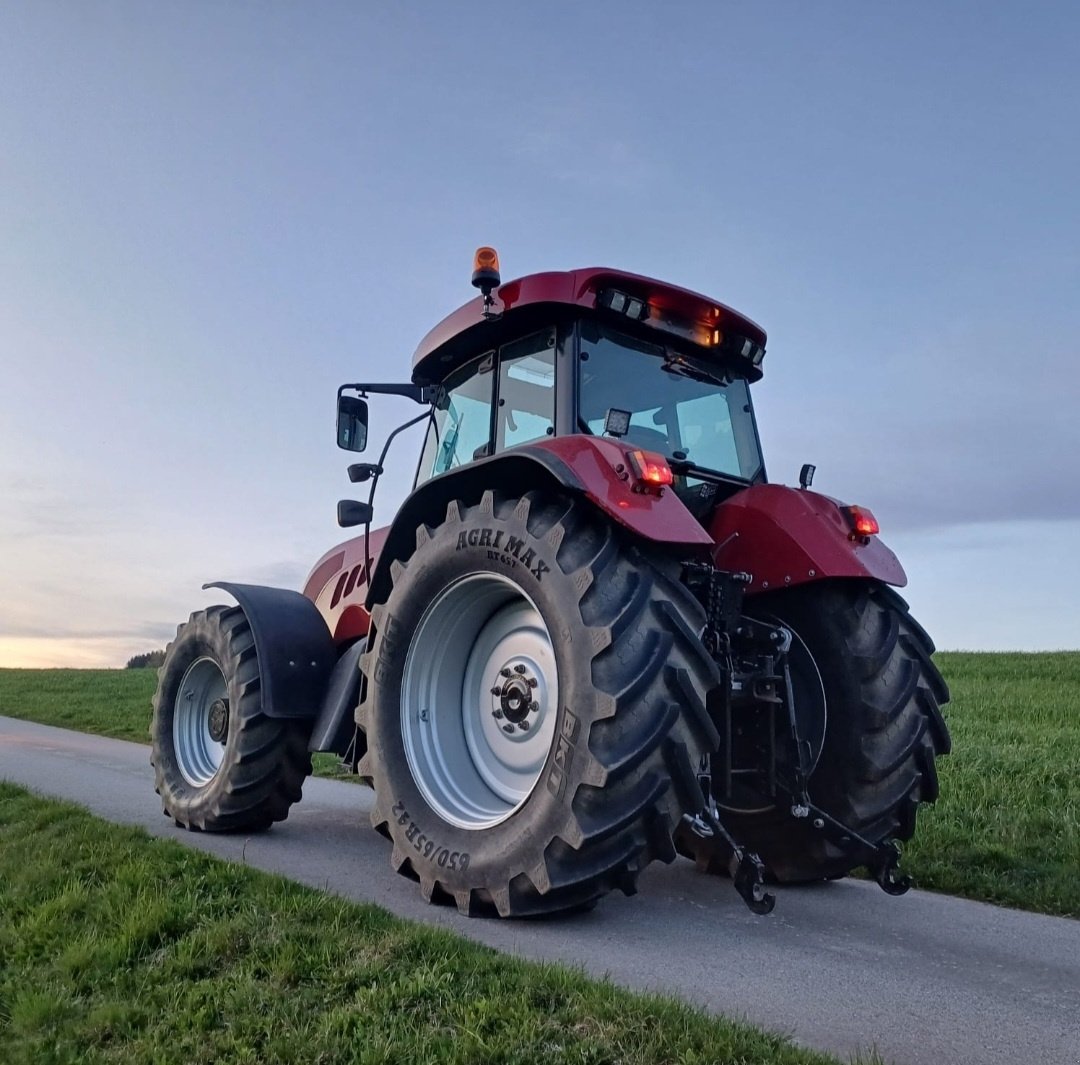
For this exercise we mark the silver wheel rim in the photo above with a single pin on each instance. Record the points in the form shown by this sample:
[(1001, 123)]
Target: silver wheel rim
[(198, 754), (479, 701)]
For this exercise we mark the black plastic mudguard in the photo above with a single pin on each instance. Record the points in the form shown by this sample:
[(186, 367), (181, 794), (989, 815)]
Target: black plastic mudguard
[(296, 652), (334, 727)]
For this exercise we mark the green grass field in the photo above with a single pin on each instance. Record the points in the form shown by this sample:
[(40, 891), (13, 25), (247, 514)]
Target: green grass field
[(118, 948), (1006, 828)]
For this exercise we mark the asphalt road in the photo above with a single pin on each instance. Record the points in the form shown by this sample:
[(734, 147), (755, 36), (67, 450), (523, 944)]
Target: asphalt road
[(924, 978)]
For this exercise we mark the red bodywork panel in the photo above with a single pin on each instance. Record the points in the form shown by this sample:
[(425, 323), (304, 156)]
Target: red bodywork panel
[(781, 536), (338, 586), (787, 536), (576, 288)]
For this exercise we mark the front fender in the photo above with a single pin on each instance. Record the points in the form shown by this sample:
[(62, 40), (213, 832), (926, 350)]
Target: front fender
[(296, 653), (585, 465), (591, 464), (786, 536)]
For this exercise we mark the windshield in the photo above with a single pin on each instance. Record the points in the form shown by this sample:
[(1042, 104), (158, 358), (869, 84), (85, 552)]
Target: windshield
[(677, 406)]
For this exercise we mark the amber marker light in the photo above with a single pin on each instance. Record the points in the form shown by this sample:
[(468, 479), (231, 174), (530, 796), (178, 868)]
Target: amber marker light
[(862, 521), (651, 471)]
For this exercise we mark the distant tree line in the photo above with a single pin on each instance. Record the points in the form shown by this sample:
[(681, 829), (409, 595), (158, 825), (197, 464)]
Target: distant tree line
[(150, 660)]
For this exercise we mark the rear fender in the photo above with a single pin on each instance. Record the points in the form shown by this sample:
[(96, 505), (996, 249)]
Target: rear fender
[(296, 653), (584, 465), (785, 536)]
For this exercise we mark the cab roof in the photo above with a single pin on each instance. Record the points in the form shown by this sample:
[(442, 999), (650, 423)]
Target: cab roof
[(466, 332)]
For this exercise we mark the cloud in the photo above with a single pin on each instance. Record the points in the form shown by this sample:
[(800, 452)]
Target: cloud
[(976, 586), (276, 574), (564, 143), (963, 431), (44, 509), (48, 653), (156, 632), (96, 605)]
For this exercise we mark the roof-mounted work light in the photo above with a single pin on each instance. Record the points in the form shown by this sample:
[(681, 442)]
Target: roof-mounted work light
[(699, 327)]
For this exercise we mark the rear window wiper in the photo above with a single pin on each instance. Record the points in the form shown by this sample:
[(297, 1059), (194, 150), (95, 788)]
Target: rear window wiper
[(687, 366)]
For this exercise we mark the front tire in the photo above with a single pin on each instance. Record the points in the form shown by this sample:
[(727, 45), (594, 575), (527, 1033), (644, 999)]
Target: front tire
[(883, 730), (220, 764), (532, 610)]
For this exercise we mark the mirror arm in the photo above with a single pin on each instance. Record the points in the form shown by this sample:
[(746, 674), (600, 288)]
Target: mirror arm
[(376, 473), (417, 393)]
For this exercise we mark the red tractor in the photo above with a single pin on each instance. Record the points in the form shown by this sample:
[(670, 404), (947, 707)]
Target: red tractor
[(594, 635)]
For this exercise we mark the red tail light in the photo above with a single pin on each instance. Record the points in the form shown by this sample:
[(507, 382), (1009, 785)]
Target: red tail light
[(862, 521), (651, 471)]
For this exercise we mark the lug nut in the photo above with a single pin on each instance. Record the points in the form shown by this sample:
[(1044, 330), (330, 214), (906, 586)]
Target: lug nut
[(496, 691), (519, 668), (497, 714), (524, 726), (505, 673), (533, 682), (508, 729), (533, 707)]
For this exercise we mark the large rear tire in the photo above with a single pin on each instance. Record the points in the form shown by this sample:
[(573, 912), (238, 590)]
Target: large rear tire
[(535, 708), (220, 764), (883, 729)]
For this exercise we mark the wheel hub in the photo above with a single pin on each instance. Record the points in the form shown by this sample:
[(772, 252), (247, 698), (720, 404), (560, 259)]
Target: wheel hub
[(219, 720), (515, 699)]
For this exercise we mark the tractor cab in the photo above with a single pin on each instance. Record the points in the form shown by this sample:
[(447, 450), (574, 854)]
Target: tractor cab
[(600, 353)]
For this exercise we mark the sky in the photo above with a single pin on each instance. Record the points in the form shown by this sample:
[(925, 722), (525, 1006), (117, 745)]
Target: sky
[(213, 213)]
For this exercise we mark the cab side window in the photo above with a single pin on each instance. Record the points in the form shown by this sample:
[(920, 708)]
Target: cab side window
[(462, 423), (526, 409)]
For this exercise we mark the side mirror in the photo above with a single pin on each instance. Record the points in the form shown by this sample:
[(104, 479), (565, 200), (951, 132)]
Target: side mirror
[(352, 423), (352, 512)]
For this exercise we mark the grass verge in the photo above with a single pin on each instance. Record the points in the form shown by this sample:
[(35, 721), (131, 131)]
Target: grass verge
[(115, 947), (1006, 828)]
